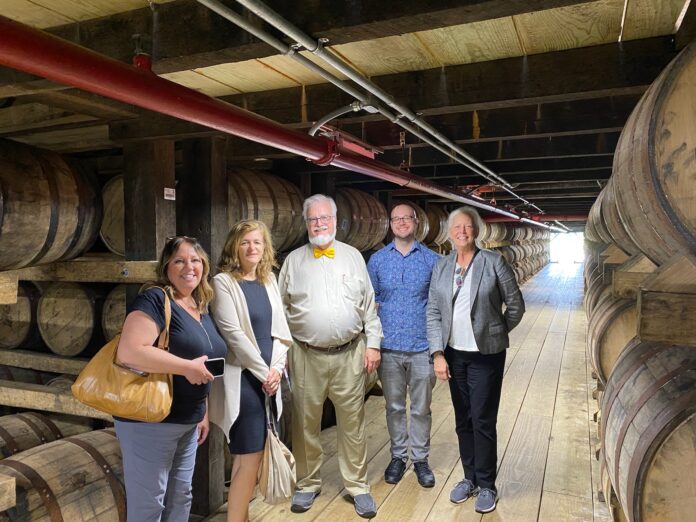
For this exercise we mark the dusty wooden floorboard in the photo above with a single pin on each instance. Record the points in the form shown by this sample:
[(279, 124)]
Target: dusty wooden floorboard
[(546, 433)]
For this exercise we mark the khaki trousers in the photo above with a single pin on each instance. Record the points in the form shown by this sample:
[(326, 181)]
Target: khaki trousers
[(341, 378)]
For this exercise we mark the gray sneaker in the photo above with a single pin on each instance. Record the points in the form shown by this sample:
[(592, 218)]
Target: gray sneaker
[(365, 505), (302, 501), (486, 501), (462, 491)]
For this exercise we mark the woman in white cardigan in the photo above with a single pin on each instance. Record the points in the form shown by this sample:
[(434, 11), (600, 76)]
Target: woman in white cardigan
[(249, 315)]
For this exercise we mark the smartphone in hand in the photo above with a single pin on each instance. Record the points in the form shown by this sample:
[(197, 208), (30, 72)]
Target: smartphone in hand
[(216, 366)]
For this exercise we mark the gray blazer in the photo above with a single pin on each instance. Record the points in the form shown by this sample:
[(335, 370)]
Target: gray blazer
[(492, 283)]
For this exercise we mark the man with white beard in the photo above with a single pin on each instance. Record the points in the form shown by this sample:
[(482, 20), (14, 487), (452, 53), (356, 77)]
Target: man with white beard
[(330, 307)]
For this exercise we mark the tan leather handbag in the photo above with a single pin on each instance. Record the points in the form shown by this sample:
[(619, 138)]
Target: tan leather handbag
[(277, 472), (108, 386)]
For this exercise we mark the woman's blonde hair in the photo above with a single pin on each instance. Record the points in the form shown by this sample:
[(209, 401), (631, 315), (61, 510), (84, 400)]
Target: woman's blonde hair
[(203, 293), (229, 259)]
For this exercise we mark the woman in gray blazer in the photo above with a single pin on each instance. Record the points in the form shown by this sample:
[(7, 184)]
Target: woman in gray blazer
[(467, 337)]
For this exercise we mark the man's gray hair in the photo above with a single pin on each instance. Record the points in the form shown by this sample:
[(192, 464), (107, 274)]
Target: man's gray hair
[(318, 198), (467, 211)]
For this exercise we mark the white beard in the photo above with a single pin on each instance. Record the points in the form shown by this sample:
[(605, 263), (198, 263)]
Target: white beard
[(322, 240)]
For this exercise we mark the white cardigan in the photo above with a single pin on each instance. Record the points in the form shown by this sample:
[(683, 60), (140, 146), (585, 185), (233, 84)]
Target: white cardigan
[(231, 314)]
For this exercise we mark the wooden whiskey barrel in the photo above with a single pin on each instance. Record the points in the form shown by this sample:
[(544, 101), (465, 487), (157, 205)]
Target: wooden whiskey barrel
[(77, 478), (271, 199), (653, 169), (50, 210), (21, 431), (437, 226), (362, 221), (610, 328), (13, 373), (649, 431), (112, 231), (612, 220), (114, 311), (69, 315), (492, 232), (597, 226), (18, 328)]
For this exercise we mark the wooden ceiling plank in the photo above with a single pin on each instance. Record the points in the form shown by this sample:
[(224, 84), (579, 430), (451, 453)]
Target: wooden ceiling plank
[(31, 116), (570, 27), (475, 42), (648, 18)]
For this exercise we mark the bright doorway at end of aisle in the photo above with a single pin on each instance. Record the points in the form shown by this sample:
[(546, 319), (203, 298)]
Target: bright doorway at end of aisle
[(568, 248)]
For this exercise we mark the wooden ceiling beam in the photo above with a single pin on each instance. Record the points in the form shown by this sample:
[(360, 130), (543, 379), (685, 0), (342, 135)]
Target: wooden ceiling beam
[(191, 36)]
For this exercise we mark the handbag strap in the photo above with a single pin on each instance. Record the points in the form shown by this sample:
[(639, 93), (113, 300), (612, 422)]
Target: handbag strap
[(270, 418), (163, 341)]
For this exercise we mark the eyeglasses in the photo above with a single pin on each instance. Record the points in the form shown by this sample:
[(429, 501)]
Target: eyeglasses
[(319, 219), (403, 219), (458, 280), (186, 238)]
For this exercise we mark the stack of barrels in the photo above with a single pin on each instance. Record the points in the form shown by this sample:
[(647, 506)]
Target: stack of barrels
[(647, 389), (525, 247)]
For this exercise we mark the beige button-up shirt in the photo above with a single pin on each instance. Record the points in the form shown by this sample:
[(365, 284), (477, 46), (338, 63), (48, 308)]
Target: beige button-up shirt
[(329, 301)]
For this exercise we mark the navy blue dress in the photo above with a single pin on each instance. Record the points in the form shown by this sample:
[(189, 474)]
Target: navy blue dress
[(248, 433)]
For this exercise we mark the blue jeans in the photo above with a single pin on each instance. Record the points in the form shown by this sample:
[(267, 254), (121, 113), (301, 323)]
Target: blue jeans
[(401, 373), (158, 462)]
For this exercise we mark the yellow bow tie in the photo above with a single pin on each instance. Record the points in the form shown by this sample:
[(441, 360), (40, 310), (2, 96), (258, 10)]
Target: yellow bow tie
[(329, 252)]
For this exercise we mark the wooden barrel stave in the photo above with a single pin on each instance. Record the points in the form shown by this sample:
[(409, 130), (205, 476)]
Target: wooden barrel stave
[(267, 198), (90, 488), (112, 231), (612, 324), (654, 167), (68, 316), (649, 429), (50, 210), (114, 311), (362, 221), (18, 326), (437, 226), (21, 431)]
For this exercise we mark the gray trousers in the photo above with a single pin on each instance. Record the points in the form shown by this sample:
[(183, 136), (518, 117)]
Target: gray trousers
[(402, 372), (158, 462)]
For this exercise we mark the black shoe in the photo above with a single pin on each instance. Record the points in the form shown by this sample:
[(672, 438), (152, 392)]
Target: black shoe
[(395, 470), (424, 474)]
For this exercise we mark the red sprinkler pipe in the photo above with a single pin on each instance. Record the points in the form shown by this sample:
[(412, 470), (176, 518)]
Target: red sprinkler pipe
[(42, 54), (540, 217)]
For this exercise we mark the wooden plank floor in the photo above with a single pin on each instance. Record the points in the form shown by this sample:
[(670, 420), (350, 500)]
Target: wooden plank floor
[(546, 435)]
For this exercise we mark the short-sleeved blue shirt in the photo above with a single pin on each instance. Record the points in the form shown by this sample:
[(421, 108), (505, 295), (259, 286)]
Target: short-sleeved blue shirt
[(401, 286), (188, 339)]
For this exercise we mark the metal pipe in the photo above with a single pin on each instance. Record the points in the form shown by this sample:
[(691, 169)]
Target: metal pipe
[(353, 107), (316, 47), (36, 52), (545, 217), (289, 51)]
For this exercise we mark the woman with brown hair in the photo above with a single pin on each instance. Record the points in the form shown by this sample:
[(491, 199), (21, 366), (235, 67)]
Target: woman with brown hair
[(249, 314), (158, 458)]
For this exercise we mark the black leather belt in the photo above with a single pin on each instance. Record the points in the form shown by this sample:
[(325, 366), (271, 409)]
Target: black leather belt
[(329, 349)]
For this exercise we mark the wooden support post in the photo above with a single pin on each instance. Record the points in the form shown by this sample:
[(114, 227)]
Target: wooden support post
[(201, 206), (324, 183), (201, 211), (629, 276), (149, 194), (667, 302)]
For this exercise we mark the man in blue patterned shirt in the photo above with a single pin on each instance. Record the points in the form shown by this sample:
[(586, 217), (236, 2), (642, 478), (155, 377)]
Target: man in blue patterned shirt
[(400, 274)]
